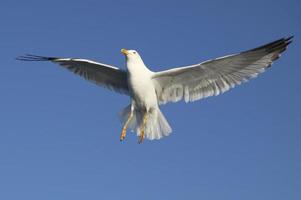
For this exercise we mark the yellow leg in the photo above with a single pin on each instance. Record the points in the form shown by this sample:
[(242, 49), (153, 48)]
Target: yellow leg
[(142, 129), (123, 132)]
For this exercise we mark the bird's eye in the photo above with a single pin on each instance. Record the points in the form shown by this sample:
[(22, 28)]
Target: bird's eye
[(134, 52)]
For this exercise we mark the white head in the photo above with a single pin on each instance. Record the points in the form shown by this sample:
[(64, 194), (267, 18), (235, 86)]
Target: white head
[(134, 62), (132, 56)]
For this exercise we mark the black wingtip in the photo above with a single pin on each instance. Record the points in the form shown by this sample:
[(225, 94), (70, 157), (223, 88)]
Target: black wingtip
[(279, 45), (30, 57), (289, 39)]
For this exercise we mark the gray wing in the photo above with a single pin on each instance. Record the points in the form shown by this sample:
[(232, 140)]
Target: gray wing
[(101, 74), (213, 77)]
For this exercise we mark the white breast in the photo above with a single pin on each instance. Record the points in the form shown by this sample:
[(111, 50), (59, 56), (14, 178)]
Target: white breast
[(141, 86)]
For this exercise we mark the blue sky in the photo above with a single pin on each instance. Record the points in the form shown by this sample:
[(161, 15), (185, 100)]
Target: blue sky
[(59, 135)]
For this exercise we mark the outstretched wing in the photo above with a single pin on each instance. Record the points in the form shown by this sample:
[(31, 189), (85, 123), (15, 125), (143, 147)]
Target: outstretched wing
[(101, 74), (214, 77)]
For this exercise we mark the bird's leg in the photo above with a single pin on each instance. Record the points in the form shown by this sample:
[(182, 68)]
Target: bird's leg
[(142, 129), (123, 132)]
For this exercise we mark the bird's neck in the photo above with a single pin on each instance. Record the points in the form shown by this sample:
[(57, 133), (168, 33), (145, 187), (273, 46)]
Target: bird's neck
[(136, 66)]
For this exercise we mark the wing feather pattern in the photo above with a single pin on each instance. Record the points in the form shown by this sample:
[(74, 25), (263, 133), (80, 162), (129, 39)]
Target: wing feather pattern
[(213, 77), (101, 74)]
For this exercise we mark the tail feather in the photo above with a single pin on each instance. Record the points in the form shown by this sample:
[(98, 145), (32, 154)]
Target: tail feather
[(156, 126)]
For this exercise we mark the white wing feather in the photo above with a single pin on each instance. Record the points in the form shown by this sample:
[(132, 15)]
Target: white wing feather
[(101, 74), (213, 77)]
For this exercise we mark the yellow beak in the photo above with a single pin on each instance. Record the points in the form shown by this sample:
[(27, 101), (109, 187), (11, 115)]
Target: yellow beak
[(124, 51)]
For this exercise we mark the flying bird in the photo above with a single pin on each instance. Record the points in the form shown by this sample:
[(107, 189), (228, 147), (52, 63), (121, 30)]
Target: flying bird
[(148, 90)]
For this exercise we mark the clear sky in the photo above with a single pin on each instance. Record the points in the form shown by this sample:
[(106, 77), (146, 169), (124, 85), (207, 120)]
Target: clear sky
[(59, 135)]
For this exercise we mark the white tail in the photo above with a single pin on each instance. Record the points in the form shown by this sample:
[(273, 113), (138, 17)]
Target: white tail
[(156, 126)]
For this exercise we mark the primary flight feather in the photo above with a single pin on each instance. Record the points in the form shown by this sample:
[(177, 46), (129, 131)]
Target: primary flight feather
[(149, 89)]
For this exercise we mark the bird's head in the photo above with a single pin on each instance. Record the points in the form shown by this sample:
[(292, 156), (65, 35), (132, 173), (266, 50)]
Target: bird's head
[(131, 54), (133, 59)]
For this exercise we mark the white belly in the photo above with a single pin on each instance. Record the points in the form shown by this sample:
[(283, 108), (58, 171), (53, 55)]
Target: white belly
[(143, 92)]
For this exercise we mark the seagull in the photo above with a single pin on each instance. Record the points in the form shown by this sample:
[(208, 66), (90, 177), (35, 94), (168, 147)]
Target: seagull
[(149, 90)]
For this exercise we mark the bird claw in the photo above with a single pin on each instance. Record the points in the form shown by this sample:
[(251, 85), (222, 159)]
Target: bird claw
[(141, 138), (122, 135)]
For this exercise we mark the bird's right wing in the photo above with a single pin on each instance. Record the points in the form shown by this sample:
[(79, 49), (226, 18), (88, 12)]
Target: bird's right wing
[(101, 74), (216, 76)]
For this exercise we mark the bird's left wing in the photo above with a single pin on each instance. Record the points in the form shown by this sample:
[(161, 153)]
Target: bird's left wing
[(101, 74), (214, 77)]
